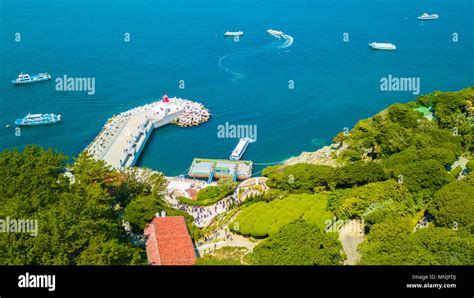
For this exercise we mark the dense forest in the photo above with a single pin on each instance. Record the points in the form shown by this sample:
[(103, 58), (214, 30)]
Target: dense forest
[(79, 209), (398, 169)]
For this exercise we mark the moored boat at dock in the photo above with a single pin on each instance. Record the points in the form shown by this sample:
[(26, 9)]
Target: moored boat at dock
[(38, 119), (26, 78), (240, 149), (382, 46)]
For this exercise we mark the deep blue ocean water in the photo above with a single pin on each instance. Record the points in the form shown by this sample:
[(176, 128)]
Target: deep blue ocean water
[(336, 83)]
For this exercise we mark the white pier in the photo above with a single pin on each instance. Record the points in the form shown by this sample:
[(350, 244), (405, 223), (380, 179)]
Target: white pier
[(123, 138)]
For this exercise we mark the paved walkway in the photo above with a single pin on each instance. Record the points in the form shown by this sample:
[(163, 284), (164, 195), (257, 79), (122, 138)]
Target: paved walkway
[(226, 237), (351, 235), (203, 215), (237, 241), (460, 162)]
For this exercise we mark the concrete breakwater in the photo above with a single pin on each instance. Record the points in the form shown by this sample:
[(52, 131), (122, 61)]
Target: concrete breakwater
[(123, 137), (193, 114)]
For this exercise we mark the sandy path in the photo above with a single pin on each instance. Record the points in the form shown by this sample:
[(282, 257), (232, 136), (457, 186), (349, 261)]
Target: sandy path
[(351, 235)]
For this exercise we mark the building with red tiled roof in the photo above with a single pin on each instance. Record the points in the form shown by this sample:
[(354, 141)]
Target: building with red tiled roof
[(168, 242), (192, 193)]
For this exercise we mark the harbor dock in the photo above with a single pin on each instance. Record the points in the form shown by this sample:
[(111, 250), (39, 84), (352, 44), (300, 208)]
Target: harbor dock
[(124, 136), (219, 168)]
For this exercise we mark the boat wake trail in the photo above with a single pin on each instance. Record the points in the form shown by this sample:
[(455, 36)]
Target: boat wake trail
[(254, 51), (236, 75), (288, 41)]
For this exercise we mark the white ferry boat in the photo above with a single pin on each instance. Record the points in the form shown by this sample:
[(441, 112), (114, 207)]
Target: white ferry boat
[(38, 119), (382, 46), (427, 16), (26, 78), (239, 150), (233, 33), (274, 32)]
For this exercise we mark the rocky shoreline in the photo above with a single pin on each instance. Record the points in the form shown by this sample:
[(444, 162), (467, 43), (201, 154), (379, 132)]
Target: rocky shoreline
[(323, 156)]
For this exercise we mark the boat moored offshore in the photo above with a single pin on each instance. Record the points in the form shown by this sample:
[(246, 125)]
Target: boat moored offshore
[(239, 150), (26, 78), (275, 32), (427, 16), (382, 46), (233, 33), (38, 119)]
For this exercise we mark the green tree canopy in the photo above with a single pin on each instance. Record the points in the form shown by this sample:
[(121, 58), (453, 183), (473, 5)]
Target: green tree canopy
[(392, 243), (423, 178), (359, 201), (359, 173), (298, 243), (76, 222), (299, 178), (141, 211), (454, 204)]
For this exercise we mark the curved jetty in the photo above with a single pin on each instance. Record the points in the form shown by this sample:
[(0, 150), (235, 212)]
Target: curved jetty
[(123, 137)]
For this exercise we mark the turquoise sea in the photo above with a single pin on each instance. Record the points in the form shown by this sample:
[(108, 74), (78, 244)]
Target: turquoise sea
[(336, 83)]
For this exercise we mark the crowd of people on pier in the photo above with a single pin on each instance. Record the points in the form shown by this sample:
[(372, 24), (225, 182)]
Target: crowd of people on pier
[(101, 143)]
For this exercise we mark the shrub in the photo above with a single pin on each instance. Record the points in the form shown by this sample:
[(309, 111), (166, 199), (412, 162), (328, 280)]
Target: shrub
[(298, 243), (359, 200), (470, 165), (212, 194), (424, 178), (455, 172), (454, 203), (141, 211), (299, 178), (262, 219), (359, 173)]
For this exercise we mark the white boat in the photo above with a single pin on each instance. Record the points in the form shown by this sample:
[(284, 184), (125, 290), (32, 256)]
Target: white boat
[(382, 46), (427, 16), (38, 119), (239, 149), (274, 32), (233, 33), (26, 78)]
